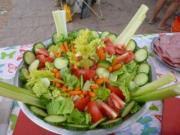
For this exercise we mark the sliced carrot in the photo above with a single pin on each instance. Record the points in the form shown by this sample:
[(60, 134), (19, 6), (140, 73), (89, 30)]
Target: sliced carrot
[(101, 53), (66, 47), (110, 69), (100, 81), (116, 67), (55, 70), (94, 86), (58, 85), (75, 92), (57, 75), (78, 88), (62, 48), (91, 94)]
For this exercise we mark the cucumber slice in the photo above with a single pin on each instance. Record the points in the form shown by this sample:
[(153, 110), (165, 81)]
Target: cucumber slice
[(57, 39), (46, 82), (144, 68), (141, 55), (87, 85), (104, 64), (131, 46), (37, 111), (104, 34), (111, 123), (141, 79), (55, 119), (60, 63), (97, 123), (34, 65), (23, 74), (132, 85), (127, 109), (37, 46), (113, 77), (102, 72), (28, 57), (75, 126)]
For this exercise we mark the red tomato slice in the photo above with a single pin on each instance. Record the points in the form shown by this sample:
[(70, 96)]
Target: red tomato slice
[(109, 48), (41, 58), (49, 59), (118, 102), (120, 50), (87, 73), (121, 58), (130, 57), (111, 104), (107, 110), (82, 103), (42, 51), (94, 111), (116, 90)]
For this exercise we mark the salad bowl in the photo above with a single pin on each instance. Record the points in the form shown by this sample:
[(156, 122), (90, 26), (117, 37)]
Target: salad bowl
[(61, 130)]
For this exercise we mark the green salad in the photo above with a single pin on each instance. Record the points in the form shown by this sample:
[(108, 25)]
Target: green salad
[(88, 80), (84, 80)]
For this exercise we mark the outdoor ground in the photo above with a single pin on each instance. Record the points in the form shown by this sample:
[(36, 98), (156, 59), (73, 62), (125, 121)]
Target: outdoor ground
[(29, 21)]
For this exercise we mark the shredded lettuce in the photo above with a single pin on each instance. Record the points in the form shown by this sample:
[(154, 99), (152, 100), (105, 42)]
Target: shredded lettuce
[(40, 88), (70, 80), (61, 106), (102, 93), (35, 74), (86, 44), (78, 117)]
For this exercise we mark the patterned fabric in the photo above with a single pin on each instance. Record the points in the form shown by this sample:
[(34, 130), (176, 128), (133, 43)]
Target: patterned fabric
[(148, 124)]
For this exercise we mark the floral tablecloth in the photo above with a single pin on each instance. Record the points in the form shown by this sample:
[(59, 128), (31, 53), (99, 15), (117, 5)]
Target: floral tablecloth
[(10, 58)]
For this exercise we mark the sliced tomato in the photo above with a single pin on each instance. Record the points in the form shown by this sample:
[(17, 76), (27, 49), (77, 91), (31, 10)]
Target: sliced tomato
[(107, 110), (41, 58), (121, 58), (130, 57), (117, 101), (81, 103), (116, 90), (111, 104), (42, 51), (89, 74), (94, 111), (120, 50), (109, 48), (49, 59), (86, 73)]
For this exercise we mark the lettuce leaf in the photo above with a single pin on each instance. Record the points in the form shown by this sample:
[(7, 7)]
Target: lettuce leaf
[(78, 117), (61, 106), (70, 80), (86, 44), (102, 93), (125, 75), (39, 88)]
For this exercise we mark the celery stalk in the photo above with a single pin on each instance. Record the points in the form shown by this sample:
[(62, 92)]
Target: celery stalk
[(160, 94), (13, 88), (20, 97), (165, 79), (132, 26), (60, 22)]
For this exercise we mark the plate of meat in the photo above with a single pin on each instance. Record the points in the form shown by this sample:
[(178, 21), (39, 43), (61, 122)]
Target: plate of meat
[(167, 49)]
